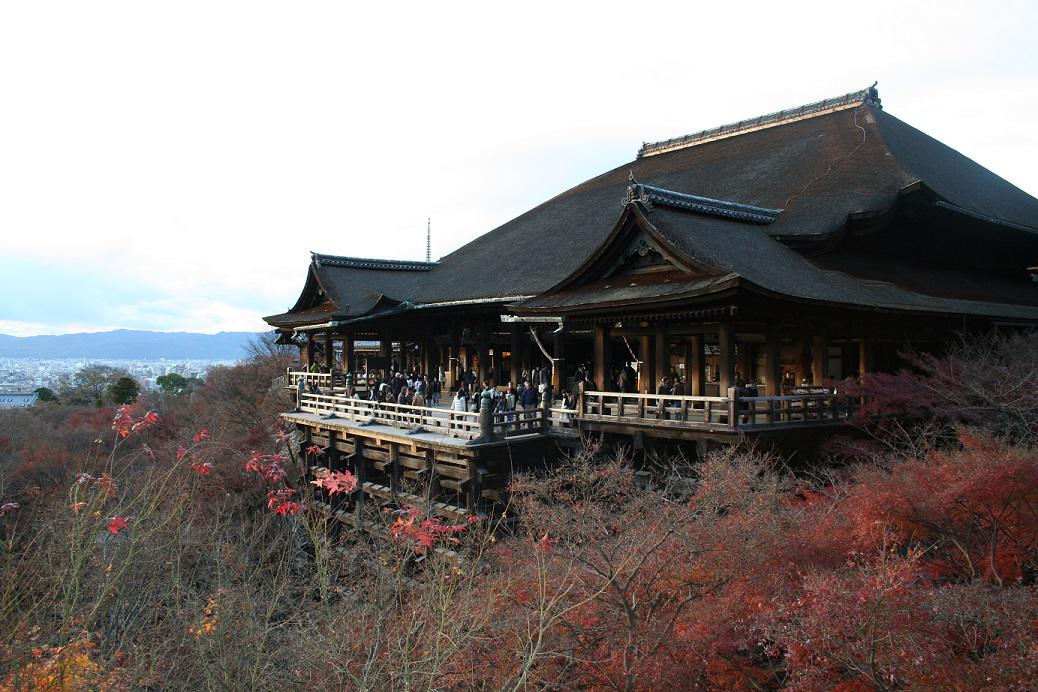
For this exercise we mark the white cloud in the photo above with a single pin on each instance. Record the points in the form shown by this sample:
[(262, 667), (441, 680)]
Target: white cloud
[(199, 150), (16, 328)]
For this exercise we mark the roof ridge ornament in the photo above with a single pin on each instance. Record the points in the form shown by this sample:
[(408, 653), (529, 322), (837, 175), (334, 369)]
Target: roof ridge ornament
[(864, 97), (647, 196)]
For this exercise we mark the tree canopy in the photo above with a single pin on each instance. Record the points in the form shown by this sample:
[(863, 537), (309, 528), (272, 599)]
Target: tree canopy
[(90, 385), (124, 390), (174, 384)]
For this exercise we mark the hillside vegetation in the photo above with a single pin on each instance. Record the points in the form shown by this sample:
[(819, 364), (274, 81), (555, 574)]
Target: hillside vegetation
[(174, 545)]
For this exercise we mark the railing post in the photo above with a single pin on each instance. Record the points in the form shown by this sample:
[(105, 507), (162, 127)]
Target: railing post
[(733, 408), (331, 410), (546, 402), (299, 396), (486, 417)]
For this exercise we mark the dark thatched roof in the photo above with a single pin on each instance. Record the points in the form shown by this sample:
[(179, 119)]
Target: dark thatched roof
[(816, 171)]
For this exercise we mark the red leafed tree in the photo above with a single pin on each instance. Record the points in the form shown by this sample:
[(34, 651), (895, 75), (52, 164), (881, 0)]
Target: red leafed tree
[(607, 576)]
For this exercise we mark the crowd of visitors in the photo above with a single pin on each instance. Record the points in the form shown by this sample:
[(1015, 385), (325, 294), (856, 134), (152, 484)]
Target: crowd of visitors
[(415, 389), (412, 389)]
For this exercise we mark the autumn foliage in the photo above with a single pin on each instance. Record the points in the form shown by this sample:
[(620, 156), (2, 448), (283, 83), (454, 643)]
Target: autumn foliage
[(184, 544)]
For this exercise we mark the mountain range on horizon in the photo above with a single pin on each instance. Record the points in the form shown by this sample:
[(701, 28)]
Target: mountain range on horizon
[(129, 344)]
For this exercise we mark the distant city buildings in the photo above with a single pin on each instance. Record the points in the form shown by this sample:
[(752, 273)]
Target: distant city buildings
[(20, 377), (17, 399)]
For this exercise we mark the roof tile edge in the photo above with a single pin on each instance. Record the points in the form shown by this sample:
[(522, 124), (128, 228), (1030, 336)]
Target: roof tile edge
[(647, 196), (867, 97), (320, 260)]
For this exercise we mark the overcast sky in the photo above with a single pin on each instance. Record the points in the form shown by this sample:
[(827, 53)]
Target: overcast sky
[(169, 166)]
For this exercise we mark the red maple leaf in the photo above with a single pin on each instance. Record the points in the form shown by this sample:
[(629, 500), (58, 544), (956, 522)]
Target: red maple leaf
[(274, 472), (202, 435), (117, 524), (336, 482), (255, 462), (203, 467), (281, 502), (545, 543)]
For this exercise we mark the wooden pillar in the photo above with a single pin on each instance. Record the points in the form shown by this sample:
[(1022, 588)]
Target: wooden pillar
[(329, 351), (453, 359), (818, 358), (602, 365), (385, 352), (694, 366), (647, 371), (726, 343), (773, 363), (484, 354), (360, 469), (309, 350), (347, 354), (334, 464), (432, 488), (864, 355), (475, 487), (525, 355), (394, 467), (803, 364), (516, 357), (428, 361), (661, 356), (744, 361), (558, 352)]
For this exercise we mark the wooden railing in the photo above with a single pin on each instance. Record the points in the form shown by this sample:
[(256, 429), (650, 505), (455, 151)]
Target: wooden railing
[(310, 379), (730, 412), (324, 380), (443, 421)]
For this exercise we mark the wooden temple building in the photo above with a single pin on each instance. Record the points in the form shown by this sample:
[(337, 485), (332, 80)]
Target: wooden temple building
[(817, 241)]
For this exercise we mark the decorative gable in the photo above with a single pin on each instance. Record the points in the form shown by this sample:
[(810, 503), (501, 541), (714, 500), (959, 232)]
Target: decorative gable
[(642, 255), (635, 247)]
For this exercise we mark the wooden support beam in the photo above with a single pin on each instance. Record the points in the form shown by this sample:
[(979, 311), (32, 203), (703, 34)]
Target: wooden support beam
[(558, 370), (329, 351), (773, 363), (394, 462), (432, 488), (647, 371), (475, 487), (864, 355), (818, 359), (347, 354), (360, 470), (694, 366), (385, 352), (517, 353), (453, 358), (602, 352), (744, 360), (309, 350), (726, 343), (428, 360), (484, 354), (803, 361), (661, 356), (334, 464)]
